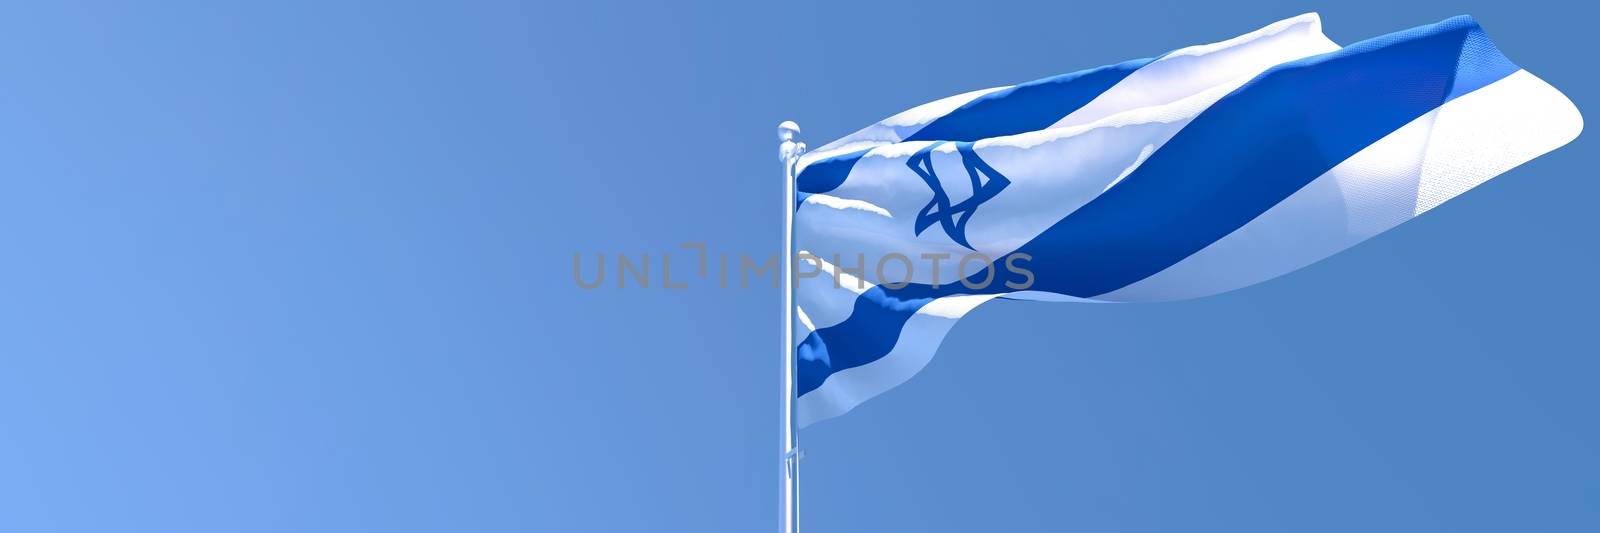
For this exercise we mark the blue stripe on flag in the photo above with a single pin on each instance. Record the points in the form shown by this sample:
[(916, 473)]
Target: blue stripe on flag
[(827, 174), (1257, 146), (1240, 157), (871, 331), (1023, 108), (1031, 106)]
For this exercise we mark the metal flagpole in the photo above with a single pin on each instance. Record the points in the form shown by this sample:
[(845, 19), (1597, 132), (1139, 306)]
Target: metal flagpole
[(789, 152)]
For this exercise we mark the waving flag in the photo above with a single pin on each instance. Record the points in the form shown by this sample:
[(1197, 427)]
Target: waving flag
[(1200, 171)]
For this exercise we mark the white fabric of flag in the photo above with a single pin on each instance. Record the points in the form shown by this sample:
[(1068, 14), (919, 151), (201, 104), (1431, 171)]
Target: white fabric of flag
[(1200, 171)]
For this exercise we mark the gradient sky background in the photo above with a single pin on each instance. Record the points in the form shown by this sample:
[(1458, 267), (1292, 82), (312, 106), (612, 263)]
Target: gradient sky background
[(306, 266)]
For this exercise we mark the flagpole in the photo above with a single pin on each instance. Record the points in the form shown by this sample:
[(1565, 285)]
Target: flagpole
[(789, 152)]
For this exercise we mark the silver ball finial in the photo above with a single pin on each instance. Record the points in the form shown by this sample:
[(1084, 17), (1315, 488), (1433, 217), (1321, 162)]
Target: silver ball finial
[(789, 146), (788, 130)]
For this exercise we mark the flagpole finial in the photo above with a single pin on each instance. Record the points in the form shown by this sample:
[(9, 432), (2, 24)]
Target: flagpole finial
[(788, 130), (791, 147)]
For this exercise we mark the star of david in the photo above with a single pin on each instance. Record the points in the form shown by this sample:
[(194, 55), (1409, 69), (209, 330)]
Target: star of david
[(953, 218)]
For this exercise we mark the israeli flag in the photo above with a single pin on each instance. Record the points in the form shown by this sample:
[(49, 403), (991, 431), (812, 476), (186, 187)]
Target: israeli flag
[(1203, 170)]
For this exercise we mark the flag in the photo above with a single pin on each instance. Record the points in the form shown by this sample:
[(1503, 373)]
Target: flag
[(1200, 171)]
